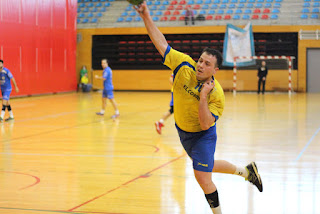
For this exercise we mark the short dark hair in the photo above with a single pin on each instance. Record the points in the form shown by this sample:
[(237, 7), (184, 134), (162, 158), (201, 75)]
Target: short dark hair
[(1, 60), (105, 59), (215, 53)]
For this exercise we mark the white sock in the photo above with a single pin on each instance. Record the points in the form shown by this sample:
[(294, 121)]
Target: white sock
[(161, 121), (241, 171), (2, 114), (117, 112), (11, 114), (102, 111), (216, 210)]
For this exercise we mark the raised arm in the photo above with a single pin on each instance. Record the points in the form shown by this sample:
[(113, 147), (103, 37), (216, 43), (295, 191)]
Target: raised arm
[(155, 35)]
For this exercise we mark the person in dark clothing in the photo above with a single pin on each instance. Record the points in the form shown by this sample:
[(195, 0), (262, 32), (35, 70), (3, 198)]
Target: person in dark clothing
[(262, 75), (189, 15)]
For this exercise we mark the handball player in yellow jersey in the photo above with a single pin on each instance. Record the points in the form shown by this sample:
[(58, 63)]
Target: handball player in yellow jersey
[(198, 101)]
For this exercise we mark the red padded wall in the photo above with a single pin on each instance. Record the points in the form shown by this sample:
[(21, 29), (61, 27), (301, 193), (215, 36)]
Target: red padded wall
[(38, 44)]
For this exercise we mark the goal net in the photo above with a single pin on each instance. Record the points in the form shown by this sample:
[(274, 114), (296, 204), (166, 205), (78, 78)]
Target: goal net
[(280, 74)]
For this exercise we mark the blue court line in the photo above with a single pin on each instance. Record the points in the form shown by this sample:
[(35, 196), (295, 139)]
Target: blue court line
[(37, 210), (306, 146)]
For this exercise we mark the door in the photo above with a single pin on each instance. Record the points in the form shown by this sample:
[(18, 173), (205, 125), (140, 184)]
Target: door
[(313, 70)]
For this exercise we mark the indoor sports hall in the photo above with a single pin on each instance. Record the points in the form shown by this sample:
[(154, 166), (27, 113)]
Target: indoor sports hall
[(58, 156)]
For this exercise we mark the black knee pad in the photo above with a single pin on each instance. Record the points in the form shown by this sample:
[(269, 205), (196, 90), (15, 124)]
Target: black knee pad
[(3, 107), (9, 107), (213, 199)]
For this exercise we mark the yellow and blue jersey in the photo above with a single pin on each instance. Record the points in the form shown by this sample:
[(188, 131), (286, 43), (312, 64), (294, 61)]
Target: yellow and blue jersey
[(186, 92), (172, 83)]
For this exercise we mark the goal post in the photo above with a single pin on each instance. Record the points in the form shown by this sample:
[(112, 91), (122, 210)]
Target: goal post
[(287, 58)]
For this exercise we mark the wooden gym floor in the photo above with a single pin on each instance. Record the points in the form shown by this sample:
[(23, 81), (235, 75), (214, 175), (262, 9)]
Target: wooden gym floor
[(59, 157)]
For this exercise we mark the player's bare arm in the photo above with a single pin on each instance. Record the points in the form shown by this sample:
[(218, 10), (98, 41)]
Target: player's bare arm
[(15, 84), (206, 119), (155, 35), (99, 77)]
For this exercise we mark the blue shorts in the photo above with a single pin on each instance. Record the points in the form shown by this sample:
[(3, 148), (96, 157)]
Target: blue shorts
[(107, 94), (200, 146), (171, 102), (6, 94)]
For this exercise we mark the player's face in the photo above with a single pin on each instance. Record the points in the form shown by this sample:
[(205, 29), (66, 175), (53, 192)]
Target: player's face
[(263, 63), (104, 64), (1, 65), (206, 67)]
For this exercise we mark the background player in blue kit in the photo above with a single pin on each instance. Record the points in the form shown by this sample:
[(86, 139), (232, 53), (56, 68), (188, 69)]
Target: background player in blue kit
[(5, 82), (159, 124), (198, 101), (107, 89)]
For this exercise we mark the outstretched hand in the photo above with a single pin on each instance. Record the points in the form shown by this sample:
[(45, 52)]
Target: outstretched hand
[(142, 9), (207, 87)]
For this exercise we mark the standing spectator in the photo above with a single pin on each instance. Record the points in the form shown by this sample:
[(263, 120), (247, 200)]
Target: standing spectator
[(189, 14), (262, 75)]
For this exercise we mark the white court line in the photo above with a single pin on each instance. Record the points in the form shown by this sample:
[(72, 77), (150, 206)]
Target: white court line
[(308, 143), (85, 155)]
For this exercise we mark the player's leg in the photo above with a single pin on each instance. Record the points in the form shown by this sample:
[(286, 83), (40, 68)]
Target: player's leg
[(159, 124), (201, 147), (104, 103), (259, 85), (222, 166), (263, 86), (114, 104), (10, 112), (204, 179), (115, 107), (250, 172), (203, 163), (3, 110), (167, 114), (6, 97)]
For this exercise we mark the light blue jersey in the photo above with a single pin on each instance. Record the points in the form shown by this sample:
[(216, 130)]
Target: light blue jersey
[(107, 75), (5, 80)]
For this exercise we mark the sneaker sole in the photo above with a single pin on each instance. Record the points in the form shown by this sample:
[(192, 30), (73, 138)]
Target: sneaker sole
[(255, 166), (255, 169)]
